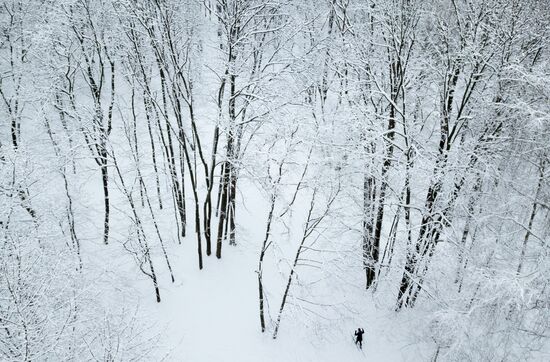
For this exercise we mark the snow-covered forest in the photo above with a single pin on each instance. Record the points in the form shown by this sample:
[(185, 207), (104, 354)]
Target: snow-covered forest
[(253, 180)]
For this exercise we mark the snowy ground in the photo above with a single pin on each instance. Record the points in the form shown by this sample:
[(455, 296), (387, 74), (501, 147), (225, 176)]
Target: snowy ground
[(212, 315)]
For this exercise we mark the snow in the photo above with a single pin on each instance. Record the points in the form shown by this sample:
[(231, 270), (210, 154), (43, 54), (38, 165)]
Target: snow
[(212, 314), (317, 145)]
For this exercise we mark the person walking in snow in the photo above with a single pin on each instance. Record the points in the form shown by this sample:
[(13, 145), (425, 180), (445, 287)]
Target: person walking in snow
[(359, 337)]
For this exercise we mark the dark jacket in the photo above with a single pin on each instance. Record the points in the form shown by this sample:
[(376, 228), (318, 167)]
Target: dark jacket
[(359, 334)]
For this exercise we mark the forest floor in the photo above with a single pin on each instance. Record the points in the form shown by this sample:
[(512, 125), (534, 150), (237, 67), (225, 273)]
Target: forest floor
[(212, 315)]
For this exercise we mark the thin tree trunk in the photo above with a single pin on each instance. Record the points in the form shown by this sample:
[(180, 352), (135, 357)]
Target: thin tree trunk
[(374, 252), (70, 213), (368, 226), (158, 231), (208, 199), (141, 233), (232, 207), (222, 209), (531, 219), (153, 148), (105, 179), (311, 224), (265, 245), (293, 268)]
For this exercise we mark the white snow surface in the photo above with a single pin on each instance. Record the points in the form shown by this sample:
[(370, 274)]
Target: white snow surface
[(212, 314)]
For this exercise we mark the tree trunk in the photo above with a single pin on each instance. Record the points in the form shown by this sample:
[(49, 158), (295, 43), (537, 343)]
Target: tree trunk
[(105, 179), (531, 219), (265, 245)]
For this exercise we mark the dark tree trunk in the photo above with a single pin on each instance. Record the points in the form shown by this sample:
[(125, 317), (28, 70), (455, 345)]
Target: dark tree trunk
[(105, 179), (222, 209), (368, 226), (265, 245), (374, 248)]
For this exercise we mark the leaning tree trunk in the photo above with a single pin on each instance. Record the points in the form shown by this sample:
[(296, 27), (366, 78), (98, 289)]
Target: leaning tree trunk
[(374, 248), (531, 219), (105, 181)]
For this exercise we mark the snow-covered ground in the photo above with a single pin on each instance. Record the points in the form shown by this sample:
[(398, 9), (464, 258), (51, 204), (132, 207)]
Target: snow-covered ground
[(212, 314), (403, 144)]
